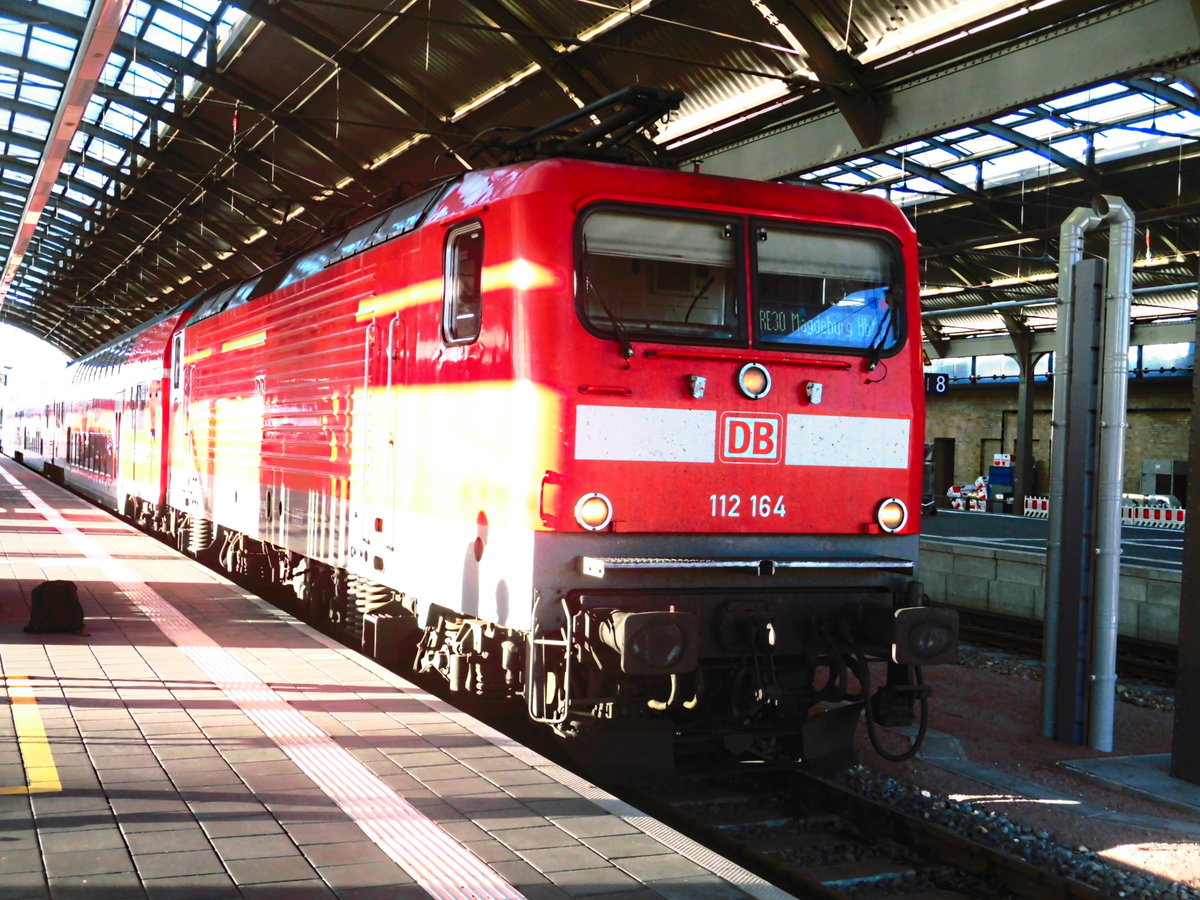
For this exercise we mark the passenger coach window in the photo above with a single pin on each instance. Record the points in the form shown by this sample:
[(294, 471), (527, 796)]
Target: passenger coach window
[(656, 276), (838, 291), (463, 305)]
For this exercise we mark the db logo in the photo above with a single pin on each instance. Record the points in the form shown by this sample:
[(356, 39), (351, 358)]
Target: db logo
[(756, 439)]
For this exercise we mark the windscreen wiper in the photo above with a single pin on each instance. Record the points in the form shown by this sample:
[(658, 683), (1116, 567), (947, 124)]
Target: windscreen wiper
[(879, 338), (618, 328)]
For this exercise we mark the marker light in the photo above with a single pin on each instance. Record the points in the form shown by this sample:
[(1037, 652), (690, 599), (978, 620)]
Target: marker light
[(891, 515), (593, 512), (754, 380)]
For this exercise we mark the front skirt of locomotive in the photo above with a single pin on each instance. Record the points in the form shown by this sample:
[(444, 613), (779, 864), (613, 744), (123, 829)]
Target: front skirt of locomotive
[(749, 641)]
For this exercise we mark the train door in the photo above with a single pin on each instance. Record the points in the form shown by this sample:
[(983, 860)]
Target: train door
[(129, 444), (183, 467), (376, 427)]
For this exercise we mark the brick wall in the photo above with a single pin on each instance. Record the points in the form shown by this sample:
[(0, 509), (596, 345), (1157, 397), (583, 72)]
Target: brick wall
[(982, 420)]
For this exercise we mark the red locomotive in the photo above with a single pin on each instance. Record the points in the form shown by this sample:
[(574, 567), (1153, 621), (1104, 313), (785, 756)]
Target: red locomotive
[(635, 444)]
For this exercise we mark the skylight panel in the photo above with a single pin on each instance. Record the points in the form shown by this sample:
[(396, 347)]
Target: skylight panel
[(1084, 98), (74, 7), (122, 120), (8, 84), (94, 109), (850, 176), (51, 47), (140, 77), (165, 36), (15, 175), (70, 214), (12, 38), (1114, 143), (965, 175), (934, 156), (39, 95), (1116, 110), (1013, 165), (105, 151), (1011, 119), (180, 29), (881, 171), (982, 144), (924, 186), (1076, 148), (28, 125), (1040, 129), (90, 176)]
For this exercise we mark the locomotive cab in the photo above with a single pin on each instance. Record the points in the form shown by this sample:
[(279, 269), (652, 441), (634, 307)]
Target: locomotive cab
[(728, 542)]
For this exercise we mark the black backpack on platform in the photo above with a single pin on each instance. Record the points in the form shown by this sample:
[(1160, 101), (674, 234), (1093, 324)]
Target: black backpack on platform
[(54, 606)]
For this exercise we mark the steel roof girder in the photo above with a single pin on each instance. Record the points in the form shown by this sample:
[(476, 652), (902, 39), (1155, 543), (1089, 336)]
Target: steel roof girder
[(863, 106), (244, 94), (361, 66), (1044, 341), (1059, 60)]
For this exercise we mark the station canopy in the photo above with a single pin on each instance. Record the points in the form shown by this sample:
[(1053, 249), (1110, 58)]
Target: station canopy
[(154, 148)]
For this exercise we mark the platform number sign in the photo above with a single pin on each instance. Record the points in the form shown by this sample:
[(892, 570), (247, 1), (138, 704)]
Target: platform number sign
[(937, 384)]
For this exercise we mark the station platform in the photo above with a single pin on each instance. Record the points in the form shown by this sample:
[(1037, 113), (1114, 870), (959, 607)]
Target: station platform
[(195, 742)]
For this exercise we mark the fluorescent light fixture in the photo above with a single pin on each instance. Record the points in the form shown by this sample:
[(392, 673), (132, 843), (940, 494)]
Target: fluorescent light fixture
[(1011, 242)]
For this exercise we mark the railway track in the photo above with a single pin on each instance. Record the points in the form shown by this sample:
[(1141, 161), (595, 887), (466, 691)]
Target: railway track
[(1140, 660), (819, 837)]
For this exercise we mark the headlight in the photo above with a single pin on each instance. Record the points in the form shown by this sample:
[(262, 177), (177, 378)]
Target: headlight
[(891, 515), (754, 381), (593, 512)]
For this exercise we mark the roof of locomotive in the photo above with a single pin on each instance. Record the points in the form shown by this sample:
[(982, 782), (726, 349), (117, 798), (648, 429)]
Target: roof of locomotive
[(589, 181), (593, 181)]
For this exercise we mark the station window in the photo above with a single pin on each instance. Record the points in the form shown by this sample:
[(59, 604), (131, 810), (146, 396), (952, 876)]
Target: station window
[(649, 275), (463, 301), (825, 289)]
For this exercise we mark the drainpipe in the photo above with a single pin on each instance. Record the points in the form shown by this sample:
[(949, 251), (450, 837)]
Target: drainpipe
[(1070, 251), (1110, 468)]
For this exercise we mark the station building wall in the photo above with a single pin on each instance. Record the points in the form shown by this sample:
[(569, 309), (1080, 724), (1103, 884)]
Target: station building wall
[(982, 421)]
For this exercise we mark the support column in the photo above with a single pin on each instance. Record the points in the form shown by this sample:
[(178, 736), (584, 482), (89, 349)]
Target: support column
[(1185, 741), (1022, 338)]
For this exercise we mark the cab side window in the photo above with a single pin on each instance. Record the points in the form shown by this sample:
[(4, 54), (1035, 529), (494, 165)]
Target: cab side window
[(463, 300)]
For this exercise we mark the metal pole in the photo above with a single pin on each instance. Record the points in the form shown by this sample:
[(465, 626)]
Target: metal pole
[(1070, 251), (1110, 469)]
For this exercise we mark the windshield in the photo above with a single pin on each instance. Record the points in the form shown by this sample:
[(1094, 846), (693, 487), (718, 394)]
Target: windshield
[(650, 276), (825, 290)]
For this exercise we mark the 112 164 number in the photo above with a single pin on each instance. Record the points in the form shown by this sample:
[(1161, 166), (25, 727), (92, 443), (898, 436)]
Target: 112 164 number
[(757, 506)]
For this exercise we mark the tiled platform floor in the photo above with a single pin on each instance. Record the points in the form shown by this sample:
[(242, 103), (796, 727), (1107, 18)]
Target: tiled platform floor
[(197, 743)]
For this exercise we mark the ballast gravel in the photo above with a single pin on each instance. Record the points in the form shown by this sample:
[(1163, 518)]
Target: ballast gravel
[(991, 703), (1035, 846)]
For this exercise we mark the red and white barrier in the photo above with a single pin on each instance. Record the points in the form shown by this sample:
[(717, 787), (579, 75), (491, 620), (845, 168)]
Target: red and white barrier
[(1154, 516), (1149, 516)]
